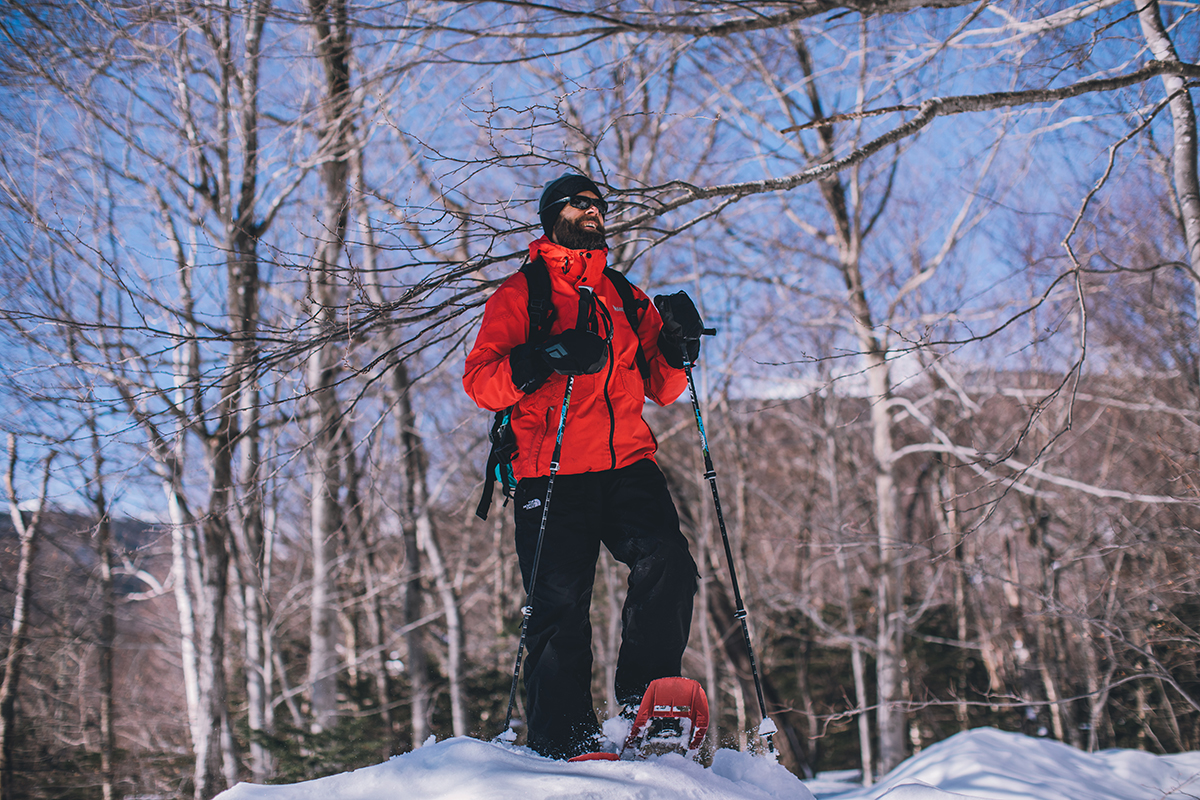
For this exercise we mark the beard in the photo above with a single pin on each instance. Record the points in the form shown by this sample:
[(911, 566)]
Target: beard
[(573, 236)]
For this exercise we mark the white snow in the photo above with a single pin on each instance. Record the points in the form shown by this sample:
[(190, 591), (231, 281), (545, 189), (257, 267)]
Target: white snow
[(984, 764)]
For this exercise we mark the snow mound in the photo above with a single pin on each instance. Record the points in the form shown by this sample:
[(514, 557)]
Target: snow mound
[(467, 769), (983, 764), (988, 764)]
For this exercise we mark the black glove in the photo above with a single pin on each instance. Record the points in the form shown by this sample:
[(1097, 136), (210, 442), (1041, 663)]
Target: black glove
[(529, 369), (681, 329), (574, 352)]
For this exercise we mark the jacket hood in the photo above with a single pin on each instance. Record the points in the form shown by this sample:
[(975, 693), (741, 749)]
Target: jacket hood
[(574, 266)]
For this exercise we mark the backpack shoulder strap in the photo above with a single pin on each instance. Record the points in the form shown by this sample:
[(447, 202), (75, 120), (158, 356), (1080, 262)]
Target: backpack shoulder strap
[(541, 308), (632, 307), (504, 446)]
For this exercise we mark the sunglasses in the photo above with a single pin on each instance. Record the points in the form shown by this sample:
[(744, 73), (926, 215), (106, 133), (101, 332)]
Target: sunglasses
[(584, 203)]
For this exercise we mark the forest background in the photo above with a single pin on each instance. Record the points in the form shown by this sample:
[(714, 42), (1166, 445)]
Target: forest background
[(952, 250)]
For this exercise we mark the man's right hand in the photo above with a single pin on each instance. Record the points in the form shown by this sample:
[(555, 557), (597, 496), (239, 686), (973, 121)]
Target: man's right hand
[(529, 369), (574, 352)]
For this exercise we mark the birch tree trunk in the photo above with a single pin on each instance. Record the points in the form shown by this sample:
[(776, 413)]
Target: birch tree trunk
[(106, 639), (413, 532), (249, 575), (205, 713), (1184, 157), (889, 586), (331, 36), (857, 665), (420, 515), (376, 621), (323, 528), (219, 768), (427, 539), (200, 558), (844, 210), (204, 549), (218, 545), (249, 569), (19, 637), (417, 665)]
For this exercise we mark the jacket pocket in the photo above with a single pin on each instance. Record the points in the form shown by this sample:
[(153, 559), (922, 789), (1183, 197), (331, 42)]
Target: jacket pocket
[(542, 436), (631, 383)]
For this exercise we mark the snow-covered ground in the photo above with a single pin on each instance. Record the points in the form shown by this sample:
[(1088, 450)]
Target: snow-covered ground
[(983, 763)]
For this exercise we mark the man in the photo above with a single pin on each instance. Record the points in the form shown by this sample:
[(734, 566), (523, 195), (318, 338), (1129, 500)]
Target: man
[(608, 489)]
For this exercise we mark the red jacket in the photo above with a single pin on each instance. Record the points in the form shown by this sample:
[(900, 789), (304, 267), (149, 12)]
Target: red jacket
[(605, 429)]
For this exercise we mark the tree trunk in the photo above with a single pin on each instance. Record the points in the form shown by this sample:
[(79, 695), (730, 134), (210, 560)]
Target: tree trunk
[(332, 44), (948, 515), (216, 768), (183, 556), (108, 627), (249, 574), (889, 587), (414, 502), (249, 592), (857, 666), (248, 539), (200, 563), (417, 665), (427, 539), (1098, 687), (323, 528), (217, 760), (1184, 156), (417, 503), (889, 579), (379, 667), (12, 665), (18, 638)]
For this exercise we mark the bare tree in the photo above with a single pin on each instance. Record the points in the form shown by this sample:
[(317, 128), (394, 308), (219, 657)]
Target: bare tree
[(1184, 157), (28, 531), (106, 639), (332, 43), (792, 162)]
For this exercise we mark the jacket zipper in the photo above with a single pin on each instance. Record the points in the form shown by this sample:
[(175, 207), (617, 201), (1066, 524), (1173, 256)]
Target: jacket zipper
[(612, 416)]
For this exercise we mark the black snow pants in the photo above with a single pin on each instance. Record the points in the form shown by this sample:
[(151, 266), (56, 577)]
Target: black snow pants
[(631, 512)]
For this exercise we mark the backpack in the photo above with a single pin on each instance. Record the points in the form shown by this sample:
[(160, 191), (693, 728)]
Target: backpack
[(541, 315)]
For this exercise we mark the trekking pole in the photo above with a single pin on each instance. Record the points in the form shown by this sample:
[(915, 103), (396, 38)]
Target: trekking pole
[(767, 728), (509, 735)]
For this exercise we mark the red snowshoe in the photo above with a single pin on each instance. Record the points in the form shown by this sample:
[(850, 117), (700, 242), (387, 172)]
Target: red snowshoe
[(672, 718)]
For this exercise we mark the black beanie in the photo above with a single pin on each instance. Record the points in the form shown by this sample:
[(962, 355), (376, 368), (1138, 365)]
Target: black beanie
[(568, 185)]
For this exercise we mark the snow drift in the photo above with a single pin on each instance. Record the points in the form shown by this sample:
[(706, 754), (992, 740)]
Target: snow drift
[(985, 763)]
